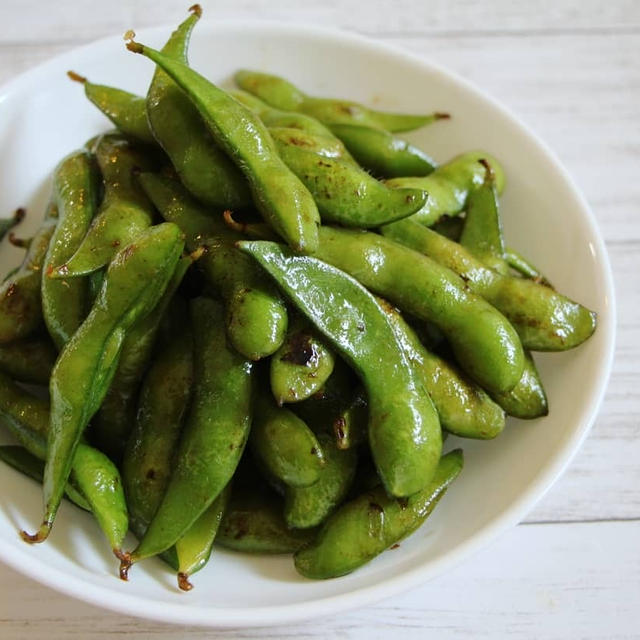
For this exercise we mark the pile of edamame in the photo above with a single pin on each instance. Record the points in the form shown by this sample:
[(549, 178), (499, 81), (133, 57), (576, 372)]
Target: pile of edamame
[(258, 314)]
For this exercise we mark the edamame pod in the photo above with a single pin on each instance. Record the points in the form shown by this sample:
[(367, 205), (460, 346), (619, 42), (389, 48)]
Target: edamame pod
[(382, 153), (253, 523), (345, 193), (485, 344), (28, 360), (309, 506), (524, 267), (214, 437), (281, 94), (91, 472), (277, 193), (450, 184), (125, 211), (256, 316), (404, 431), (284, 445), (20, 303), (6, 224), (126, 110), (301, 366), (21, 460), (146, 465), (75, 192), (204, 168), (365, 527), (135, 280), (544, 319)]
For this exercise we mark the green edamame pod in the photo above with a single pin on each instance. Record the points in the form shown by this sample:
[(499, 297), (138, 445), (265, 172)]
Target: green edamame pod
[(21, 460), (204, 168), (277, 193), (450, 184), (214, 437), (363, 528), (404, 431), (464, 408), (482, 232), (281, 94), (126, 110), (92, 473), (125, 211), (544, 319), (382, 153), (309, 506), (484, 342), (146, 465), (284, 444), (112, 424), (28, 360), (301, 366), (194, 548), (278, 118), (6, 224), (135, 280), (256, 316), (524, 267), (345, 193), (20, 303), (326, 146), (75, 192), (253, 523)]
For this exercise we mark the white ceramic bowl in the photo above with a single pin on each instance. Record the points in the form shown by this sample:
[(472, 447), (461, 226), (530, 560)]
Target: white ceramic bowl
[(43, 116)]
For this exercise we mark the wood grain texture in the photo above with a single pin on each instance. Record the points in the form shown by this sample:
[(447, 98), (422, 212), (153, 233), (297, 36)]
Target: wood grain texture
[(571, 70)]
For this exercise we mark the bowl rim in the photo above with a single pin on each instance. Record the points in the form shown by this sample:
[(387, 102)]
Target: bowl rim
[(29, 564)]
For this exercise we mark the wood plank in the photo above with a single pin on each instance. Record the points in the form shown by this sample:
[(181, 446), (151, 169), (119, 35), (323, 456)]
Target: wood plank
[(538, 581), (33, 21)]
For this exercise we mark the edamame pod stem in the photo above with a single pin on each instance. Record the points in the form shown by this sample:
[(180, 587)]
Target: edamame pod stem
[(75, 192), (345, 193), (464, 408), (283, 444), (277, 193), (253, 523), (279, 118), (301, 366), (6, 224), (382, 153), (309, 506), (482, 231), (544, 319), (256, 316), (94, 475), (112, 424), (21, 460), (28, 360), (146, 465), (404, 431), (485, 344), (135, 280), (125, 211), (281, 94), (126, 110), (450, 184), (365, 527), (195, 546), (215, 433), (203, 167), (20, 303)]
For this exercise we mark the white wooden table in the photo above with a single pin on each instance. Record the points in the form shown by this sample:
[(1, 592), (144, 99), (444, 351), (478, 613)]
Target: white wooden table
[(571, 69)]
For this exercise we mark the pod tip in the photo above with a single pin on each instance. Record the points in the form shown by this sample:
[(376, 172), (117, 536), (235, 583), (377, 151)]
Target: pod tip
[(439, 115), (196, 9), (132, 45), (40, 536), (125, 564), (183, 582), (76, 77)]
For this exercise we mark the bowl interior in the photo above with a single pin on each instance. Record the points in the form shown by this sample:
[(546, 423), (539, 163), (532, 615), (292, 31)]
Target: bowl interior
[(43, 116)]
